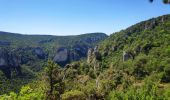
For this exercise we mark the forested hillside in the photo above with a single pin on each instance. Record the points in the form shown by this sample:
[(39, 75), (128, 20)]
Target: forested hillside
[(133, 64), (22, 57)]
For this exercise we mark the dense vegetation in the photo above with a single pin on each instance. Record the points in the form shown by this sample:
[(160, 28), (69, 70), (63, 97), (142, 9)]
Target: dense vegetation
[(133, 64), (29, 53)]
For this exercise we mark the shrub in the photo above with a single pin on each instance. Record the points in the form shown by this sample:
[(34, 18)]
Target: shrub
[(73, 95)]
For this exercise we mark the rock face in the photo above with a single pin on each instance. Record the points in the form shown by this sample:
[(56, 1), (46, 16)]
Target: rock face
[(126, 56), (81, 49), (65, 55), (4, 64), (9, 62), (39, 53), (15, 62), (93, 54), (96, 53), (62, 56), (90, 56), (94, 57)]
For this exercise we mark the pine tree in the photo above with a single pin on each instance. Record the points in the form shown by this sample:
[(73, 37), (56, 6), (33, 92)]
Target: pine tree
[(54, 79)]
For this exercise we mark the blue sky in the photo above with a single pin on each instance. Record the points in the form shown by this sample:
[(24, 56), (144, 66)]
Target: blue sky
[(71, 17)]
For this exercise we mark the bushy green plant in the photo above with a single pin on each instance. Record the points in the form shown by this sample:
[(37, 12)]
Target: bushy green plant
[(74, 95)]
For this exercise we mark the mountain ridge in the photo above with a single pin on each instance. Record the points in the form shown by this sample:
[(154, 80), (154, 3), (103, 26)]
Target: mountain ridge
[(130, 64)]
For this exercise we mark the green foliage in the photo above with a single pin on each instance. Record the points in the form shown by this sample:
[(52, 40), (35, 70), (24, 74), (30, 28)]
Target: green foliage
[(26, 93), (143, 76), (148, 91), (8, 85), (54, 78), (73, 95)]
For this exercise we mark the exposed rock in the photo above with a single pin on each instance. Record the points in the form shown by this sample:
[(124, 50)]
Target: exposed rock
[(93, 54), (114, 48), (76, 47), (39, 53), (162, 19), (3, 57), (77, 52), (93, 58), (96, 53), (96, 48), (90, 55), (4, 64), (81, 50), (15, 62), (62, 56), (9, 62), (126, 56)]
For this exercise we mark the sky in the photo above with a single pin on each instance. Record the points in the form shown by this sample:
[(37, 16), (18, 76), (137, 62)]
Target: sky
[(73, 17)]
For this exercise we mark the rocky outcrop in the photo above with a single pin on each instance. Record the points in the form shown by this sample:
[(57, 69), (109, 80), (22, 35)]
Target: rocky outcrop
[(80, 50), (39, 52), (90, 55), (93, 54), (114, 48), (94, 57), (77, 52), (8, 62), (62, 56), (96, 53), (65, 55), (127, 56), (15, 62), (4, 64)]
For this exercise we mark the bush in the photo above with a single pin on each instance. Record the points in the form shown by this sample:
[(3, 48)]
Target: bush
[(73, 95), (26, 93)]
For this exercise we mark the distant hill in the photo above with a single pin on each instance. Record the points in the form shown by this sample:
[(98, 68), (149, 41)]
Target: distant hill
[(62, 49), (131, 64), (22, 56)]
